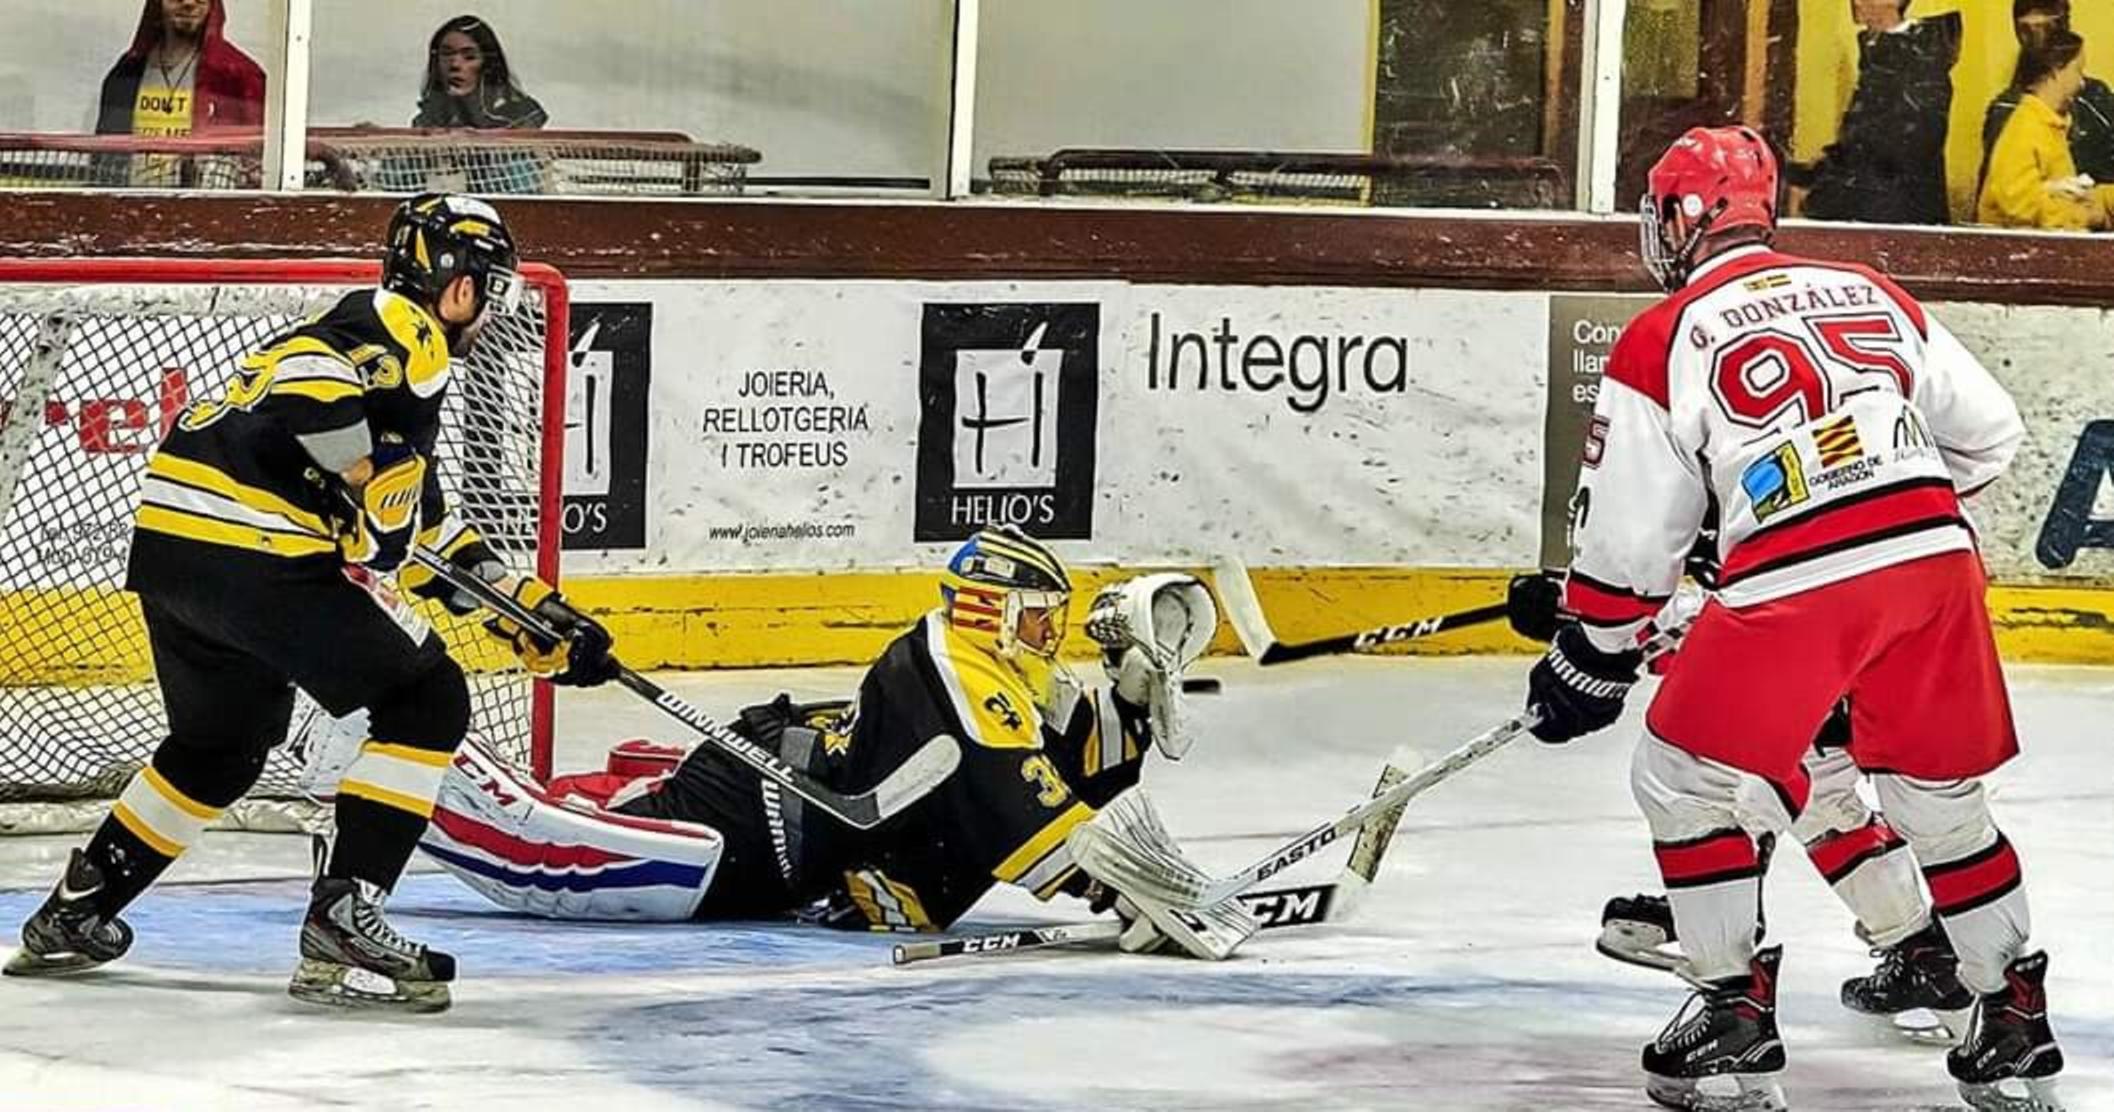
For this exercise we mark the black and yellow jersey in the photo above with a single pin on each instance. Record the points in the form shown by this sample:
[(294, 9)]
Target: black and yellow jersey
[(1024, 782), (233, 474)]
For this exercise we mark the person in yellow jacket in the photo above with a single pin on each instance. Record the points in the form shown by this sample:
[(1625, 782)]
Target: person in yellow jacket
[(2031, 180)]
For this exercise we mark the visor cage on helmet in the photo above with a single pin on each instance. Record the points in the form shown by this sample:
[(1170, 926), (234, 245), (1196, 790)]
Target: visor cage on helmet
[(1669, 262), (997, 579)]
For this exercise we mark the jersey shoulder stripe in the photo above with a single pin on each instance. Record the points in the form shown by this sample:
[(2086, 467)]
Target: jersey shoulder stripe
[(994, 707)]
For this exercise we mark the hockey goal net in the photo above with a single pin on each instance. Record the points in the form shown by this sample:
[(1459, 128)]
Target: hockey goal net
[(97, 359)]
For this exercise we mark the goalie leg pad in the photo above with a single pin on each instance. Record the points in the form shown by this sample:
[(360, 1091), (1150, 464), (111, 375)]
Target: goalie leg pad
[(528, 852), (1126, 847)]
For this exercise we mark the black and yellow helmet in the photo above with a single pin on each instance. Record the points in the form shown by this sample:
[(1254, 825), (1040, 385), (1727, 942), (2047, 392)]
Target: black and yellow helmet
[(995, 577), (435, 238)]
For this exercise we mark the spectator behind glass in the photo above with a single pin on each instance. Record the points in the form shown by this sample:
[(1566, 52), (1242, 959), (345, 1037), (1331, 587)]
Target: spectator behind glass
[(2091, 117), (1887, 164), (180, 76), (2031, 181), (469, 84)]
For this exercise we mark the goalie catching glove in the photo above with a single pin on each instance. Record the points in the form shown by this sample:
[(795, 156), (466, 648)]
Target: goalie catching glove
[(579, 658), (1127, 852), (1151, 629), (383, 518)]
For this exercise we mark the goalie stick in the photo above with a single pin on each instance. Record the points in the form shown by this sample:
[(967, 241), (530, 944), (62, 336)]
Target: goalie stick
[(1297, 906), (925, 770), (1244, 611)]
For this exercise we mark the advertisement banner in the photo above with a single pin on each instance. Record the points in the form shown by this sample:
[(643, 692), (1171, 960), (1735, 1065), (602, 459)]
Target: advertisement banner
[(1582, 330), (1007, 396), (609, 374), (1321, 426), (818, 425), (2050, 519)]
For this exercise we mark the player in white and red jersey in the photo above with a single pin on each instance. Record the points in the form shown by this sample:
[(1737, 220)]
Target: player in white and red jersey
[(1836, 427)]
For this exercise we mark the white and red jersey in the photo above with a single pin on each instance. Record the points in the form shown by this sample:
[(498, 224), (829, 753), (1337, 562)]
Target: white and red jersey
[(1832, 424)]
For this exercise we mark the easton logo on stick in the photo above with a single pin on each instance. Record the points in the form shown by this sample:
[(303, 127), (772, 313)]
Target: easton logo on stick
[(1294, 854)]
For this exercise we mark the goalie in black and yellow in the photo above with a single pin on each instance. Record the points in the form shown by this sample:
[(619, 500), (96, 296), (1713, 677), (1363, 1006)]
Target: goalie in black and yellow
[(269, 528), (714, 840)]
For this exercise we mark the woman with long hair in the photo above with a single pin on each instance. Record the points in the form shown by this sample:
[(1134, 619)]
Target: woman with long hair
[(469, 83), (2031, 180)]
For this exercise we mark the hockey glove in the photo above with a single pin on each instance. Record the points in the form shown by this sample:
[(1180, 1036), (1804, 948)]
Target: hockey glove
[(579, 658), (1577, 688), (1534, 604), (384, 520)]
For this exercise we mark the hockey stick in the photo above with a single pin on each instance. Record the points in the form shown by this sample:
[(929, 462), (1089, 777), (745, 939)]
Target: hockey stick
[(1244, 610), (1205, 892), (1277, 907), (911, 781)]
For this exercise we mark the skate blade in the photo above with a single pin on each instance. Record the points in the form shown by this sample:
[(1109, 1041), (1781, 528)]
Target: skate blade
[(2034, 1094), (1929, 1027), (1733, 1092), (345, 986), (62, 964), (1637, 944)]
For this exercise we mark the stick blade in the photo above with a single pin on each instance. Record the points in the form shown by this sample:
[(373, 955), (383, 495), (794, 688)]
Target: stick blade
[(1244, 611), (914, 779)]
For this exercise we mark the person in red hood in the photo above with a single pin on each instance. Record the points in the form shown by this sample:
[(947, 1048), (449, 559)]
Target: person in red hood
[(181, 76)]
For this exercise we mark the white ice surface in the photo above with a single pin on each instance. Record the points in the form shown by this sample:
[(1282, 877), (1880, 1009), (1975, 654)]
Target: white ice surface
[(1467, 982)]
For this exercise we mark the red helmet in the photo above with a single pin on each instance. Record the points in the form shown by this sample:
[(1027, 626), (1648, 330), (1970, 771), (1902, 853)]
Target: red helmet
[(1712, 179)]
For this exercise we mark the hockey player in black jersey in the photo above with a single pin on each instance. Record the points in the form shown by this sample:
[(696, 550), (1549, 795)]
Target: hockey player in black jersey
[(270, 524), (714, 841)]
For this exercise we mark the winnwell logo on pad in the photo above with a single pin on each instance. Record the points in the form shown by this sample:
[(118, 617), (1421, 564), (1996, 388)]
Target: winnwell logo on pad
[(1006, 396)]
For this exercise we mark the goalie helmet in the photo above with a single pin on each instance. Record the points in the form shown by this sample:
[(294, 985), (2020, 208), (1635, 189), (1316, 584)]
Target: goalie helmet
[(994, 582), (435, 238), (1712, 180)]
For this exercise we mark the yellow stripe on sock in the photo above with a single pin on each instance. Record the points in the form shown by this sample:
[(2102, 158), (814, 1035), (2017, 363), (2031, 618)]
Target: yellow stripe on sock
[(177, 799), (423, 808), (434, 758), (145, 833)]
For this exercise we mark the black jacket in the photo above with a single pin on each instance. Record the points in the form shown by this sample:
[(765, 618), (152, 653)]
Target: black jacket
[(1887, 165)]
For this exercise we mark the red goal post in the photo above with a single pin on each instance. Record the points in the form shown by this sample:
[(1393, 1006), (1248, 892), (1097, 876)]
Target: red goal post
[(97, 357)]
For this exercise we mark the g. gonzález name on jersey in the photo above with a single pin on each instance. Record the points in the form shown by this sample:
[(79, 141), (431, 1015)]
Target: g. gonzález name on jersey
[(232, 474)]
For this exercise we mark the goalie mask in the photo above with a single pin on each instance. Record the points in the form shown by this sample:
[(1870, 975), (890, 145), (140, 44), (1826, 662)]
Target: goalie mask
[(1007, 587), (435, 238), (1711, 181)]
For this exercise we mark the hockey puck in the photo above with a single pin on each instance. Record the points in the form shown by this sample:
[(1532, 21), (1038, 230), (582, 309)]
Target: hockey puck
[(1201, 685)]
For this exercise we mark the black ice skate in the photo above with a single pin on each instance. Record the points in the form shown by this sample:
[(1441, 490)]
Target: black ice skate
[(1639, 930), (352, 958), (1917, 985), (1721, 1053), (2009, 1059), (68, 934)]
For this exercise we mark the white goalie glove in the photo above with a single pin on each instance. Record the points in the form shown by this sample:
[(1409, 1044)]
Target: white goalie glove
[(1126, 847), (1151, 629)]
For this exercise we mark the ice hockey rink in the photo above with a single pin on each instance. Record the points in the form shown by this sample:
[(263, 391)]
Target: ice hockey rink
[(1466, 980)]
